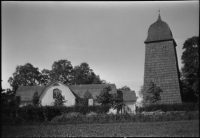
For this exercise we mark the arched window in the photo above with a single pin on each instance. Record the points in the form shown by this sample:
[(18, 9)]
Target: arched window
[(55, 92), (56, 84)]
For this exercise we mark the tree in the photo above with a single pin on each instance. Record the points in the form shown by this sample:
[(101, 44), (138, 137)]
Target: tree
[(59, 100), (36, 99), (62, 70), (114, 100), (86, 97), (153, 93), (141, 95), (187, 93), (47, 76), (15, 101), (95, 79), (6, 96), (117, 101), (190, 69), (105, 96), (104, 82), (4, 99), (84, 75), (26, 75), (125, 88)]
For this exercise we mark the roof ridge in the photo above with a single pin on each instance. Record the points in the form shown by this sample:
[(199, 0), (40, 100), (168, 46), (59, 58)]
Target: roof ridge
[(93, 84)]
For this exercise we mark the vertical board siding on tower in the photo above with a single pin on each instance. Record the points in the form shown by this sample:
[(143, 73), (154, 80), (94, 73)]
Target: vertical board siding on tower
[(161, 65)]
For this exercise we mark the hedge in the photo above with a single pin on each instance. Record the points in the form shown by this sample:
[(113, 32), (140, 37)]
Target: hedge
[(171, 107), (120, 118), (47, 113)]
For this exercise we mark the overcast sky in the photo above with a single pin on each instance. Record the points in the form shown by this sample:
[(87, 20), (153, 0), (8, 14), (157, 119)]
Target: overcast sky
[(109, 36)]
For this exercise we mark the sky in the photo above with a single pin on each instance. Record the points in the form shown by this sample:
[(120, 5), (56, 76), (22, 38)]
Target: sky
[(109, 36)]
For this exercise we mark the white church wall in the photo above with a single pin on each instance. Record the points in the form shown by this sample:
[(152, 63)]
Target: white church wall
[(47, 96), (130, 107)]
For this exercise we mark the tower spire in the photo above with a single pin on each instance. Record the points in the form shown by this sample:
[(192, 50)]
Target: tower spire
[(159, 18)]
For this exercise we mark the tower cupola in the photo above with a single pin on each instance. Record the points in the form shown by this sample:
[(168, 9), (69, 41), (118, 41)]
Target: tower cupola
[(159, 31)]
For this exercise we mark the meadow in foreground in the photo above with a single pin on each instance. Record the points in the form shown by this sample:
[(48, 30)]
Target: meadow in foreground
[(186, 128)]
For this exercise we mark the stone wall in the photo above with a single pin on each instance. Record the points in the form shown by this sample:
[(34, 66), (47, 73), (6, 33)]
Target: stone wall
[(161, 67)]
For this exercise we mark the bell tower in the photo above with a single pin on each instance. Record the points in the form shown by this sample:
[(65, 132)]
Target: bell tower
[(161, 64)]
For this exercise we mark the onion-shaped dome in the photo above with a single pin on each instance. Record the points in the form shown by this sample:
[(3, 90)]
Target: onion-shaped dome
[(159, 31)]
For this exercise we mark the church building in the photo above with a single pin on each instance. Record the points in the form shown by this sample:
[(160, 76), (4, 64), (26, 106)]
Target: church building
[(72, 93)]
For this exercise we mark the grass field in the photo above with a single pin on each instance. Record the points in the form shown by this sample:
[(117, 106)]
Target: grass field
[(188, 128)]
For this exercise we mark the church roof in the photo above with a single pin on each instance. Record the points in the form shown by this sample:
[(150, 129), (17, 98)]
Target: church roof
[(94, 89), (129, 96), (26, 92), (159, 31)]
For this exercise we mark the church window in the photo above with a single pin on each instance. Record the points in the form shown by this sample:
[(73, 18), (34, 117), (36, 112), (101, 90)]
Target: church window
[(56, 84), (55, 92)]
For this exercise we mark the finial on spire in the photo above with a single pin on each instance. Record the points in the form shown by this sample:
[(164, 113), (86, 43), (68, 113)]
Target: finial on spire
[(159, 18)]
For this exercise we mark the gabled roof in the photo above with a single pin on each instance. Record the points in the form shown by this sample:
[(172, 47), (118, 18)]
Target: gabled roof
[(94, 89), (26, 92), (129, 96)]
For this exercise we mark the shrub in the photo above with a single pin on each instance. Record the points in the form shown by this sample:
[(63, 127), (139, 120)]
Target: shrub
[(81, 109), (192, 115), (26, 113), (38, 114), (86, 97), (59, 119), (170, 107), (103, 109), (10, 112), (59, 99), (15, 101), (64, 109), (7, 120), (6, 111), (36, 99), (47, 113), (153, 93), (50, 112), (104, 97), (73, 114), (69, 118), (91, 114), (84, 109)]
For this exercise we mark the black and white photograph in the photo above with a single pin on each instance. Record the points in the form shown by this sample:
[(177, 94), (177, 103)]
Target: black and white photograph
[(100, 68)]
